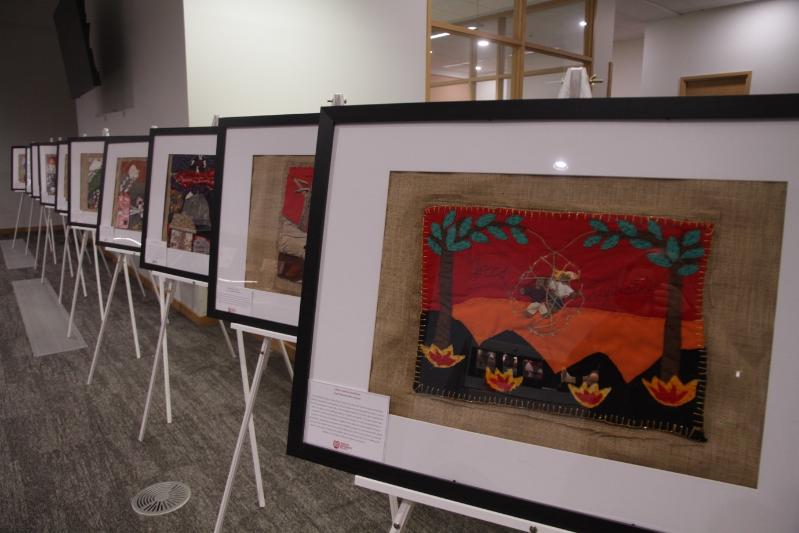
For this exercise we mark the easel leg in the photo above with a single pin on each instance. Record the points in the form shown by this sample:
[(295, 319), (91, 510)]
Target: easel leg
[(68, 251), (64, 264), (234, 465), (124, 259), (52, 235), (104, 321), (137, 275), (286, 360), (79, 270), (105, 262), (46, 243), (66, 244), (38, 235), (156, 360), (30, 225), (400, 513), (97, 276), (16, 226), (245, 385), (75, 292), (227, 340), (167, 387)]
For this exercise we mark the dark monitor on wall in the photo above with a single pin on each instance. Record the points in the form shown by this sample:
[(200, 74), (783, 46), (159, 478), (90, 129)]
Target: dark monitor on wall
[(73, 38)]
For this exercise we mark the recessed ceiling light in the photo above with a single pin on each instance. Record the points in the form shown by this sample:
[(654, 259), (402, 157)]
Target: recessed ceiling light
[(478, 68), (560, 165), (439, 35), (471, 27), (583, 24), (483, 43)]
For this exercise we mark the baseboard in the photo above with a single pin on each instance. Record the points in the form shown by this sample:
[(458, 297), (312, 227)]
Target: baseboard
[(9, 232), (177, 306)]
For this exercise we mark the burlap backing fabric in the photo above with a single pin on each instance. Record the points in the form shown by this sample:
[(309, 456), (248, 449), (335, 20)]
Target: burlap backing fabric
[(739, 306), (269, 174)]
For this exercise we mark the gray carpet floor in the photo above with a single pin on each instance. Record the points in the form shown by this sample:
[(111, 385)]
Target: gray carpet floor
[(70, 459)]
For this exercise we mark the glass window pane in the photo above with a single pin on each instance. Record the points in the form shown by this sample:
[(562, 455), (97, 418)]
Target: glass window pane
[(486, 90), (460, 57), (543, 75), (493, 16), (448, 93), (560, 25), (451, 56)]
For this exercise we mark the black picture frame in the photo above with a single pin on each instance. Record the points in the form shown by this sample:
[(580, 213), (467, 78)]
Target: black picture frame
[(72, 201), (35, 181), (122, 139), (16, 148), (226, 124), (43, 173), (728, 108), (154, 133), (29, 170), (65, 145)]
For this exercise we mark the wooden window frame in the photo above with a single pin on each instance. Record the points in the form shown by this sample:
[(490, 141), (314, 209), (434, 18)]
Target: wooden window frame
[(517, 44)]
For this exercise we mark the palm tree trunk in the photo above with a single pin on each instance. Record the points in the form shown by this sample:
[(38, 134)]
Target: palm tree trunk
[(672, 329), (444, 322)]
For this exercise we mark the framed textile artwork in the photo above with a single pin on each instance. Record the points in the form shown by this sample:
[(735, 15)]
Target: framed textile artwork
[(19, 165), (62, 179), (29, 169), (35, 182), (571, 297), (179, 197), (258, 257), (84, 178), (48, 172), (122, 192)]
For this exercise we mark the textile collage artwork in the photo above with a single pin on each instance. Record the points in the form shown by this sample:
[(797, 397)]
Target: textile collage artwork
[(187, 217), (591, 315), (129, 192)]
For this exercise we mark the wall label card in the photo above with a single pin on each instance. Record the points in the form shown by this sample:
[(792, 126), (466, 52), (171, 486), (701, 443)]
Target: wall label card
[(347, 420), (234, 298)]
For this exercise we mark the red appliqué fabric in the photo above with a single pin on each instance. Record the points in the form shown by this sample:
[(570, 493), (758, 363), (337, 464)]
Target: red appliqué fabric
[(596, 315)]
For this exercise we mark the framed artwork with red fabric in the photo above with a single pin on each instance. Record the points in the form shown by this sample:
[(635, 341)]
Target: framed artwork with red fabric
[(265, 180), (123, 184), (178, 201), (594, 315), (577, 309)]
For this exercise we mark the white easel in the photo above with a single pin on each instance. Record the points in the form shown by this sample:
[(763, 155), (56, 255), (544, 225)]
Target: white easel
[(250, 393), (19, 213), (166, 291), (67, 258), (38, 236), (86, 233), (49, 239), (402, 500), (30, 226), (122, 264)]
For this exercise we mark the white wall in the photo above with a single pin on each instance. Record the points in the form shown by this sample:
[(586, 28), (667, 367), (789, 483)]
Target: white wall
[(760, 36), (34, 96), (139, 49), (260, 57), (628, 58)]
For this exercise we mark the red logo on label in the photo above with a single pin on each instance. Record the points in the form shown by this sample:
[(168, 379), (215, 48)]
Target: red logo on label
[(343, 446)]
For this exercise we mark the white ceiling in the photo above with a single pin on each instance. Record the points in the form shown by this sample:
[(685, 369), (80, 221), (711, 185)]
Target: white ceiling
[(632, 16)]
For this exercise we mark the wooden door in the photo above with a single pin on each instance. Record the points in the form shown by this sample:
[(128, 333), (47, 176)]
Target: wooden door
[(716, 84)]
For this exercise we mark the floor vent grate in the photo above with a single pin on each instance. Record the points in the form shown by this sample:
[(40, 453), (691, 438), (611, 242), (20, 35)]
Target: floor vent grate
[(161, 498)]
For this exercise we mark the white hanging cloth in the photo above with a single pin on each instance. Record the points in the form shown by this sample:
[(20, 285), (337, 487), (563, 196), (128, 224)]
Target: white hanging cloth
[(575, 84)]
